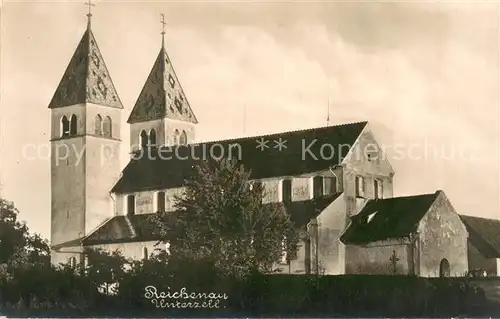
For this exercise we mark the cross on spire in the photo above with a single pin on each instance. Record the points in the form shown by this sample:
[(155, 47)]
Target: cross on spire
[(89, 15), (163, 24)]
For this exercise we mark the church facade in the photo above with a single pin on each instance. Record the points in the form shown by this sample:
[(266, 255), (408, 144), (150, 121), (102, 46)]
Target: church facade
[(334, 181)]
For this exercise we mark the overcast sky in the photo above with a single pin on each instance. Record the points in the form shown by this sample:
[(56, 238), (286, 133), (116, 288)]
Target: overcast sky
[(420, 73)]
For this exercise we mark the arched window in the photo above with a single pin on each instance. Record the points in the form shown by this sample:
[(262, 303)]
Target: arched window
[(145, 253), (317, 186), (286, 190), (160, 201), (330, 185), (73, 125), (360, 186), (98, 125), (176, 137), (64, 126), (378, 188), (72, 262), (183, 138), (130, 205), (144, 139), (444, 268), (106, 127), (152, 137)]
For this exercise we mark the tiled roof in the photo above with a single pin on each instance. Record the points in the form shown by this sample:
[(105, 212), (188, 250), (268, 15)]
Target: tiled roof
[(86, 79), (382, 219), (484, 234), (142, 227), (125, 229), (161, 168), (162, 95)]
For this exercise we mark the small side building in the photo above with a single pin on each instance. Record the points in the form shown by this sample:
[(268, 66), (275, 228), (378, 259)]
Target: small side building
[(483, 244), (415, 235)]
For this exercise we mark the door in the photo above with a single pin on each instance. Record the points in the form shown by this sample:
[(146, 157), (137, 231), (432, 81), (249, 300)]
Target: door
[(444, 268)]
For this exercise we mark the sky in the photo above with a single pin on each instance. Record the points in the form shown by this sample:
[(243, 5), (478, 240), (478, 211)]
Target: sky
[(425, 75)]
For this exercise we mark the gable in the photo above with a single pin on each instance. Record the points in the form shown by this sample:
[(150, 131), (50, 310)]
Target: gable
[(367, 152), (169, 166)]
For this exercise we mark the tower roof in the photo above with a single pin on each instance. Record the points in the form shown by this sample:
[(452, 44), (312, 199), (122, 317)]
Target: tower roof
[(162, 95), (86, 79)]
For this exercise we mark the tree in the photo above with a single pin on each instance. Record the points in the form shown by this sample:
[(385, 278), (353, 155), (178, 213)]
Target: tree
[(19, 248), (104, 269), (222, 220)]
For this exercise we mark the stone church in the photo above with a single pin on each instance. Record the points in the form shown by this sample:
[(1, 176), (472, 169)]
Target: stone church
[(333, 181)]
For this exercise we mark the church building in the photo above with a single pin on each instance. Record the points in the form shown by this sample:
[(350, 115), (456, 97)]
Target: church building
[(334, 181)]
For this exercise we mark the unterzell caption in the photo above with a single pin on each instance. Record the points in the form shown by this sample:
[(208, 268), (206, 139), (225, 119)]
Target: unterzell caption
[(183, 298)]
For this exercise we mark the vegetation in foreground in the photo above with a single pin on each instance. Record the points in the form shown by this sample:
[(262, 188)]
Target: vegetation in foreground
[(224, 241)]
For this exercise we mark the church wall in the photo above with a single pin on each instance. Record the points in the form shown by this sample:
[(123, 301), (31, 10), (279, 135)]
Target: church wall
[(63, 255), (477, 261), (132, 250), (442, 235), (376, 258), (92, 110), (67, 190), (102, 171), (357, 163), (136, 128), (331, 225), (171, 125), (58, 113), (146, 202), (302, 186)]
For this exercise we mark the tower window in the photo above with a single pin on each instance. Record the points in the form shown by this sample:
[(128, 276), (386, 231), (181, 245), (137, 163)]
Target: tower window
[(73, 125), (317, 186), (360, 186), (176, 137), (144, 139), (330, 185), (106, 127), (160, 201), (378, 188), (98, 125), (65, 126), (145, 253), (183, 138), (286, 190), (152, 137), (130, 205)]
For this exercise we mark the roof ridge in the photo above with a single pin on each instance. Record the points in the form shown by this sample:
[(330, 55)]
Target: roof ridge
[(479, 217), (282, 132), (408, 196)]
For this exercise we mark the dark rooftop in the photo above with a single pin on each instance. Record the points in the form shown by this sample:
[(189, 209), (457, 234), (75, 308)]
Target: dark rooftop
[(159, 168), (382, 219), (484, 234)]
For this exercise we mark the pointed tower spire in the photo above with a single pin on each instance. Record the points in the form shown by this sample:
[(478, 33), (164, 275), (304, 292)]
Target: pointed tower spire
[(86, 79), (162, 95)]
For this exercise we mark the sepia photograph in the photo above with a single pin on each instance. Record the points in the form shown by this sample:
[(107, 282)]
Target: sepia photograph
[(249, 159)]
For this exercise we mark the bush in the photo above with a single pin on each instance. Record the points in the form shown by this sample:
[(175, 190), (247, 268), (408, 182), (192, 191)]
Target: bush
[(43, 291)]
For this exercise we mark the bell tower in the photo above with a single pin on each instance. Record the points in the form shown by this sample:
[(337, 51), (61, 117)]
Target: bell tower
[(162, 114), (85, 143)]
